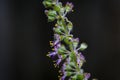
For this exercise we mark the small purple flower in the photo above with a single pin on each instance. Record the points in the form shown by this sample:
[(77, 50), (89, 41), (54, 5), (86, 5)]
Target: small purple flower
[(63, 77), (57, 39), (82, 57), (59, 59), (70, 5), (56, 47), (87, 76), (52, 54)]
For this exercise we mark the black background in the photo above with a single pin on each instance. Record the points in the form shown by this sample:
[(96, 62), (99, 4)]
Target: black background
[(25, 35)]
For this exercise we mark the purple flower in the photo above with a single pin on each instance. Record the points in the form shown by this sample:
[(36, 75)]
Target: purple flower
[(52, 54), (70, 5), (56, 39), (59, 60), (82, 57), (87, 76), (56, 47), (63, 77)]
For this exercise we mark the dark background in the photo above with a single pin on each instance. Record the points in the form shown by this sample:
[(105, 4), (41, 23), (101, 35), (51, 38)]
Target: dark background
[(25, 35)]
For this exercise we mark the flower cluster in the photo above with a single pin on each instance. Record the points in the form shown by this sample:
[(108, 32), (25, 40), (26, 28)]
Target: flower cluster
[(66, 52)]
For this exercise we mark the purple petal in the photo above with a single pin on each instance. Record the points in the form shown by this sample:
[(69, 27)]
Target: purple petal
[(63, 77), (52, 54), (57, 39), (82, 57), (87, 76), (58, 61), (70, 4)]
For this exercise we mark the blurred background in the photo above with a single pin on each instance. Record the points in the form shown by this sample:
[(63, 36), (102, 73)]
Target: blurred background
[(25, 35)]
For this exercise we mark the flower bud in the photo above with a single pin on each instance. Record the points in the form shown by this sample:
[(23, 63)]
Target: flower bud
[(83, 46)]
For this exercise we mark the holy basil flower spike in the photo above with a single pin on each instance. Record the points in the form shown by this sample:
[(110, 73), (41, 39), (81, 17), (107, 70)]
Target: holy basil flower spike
[(66, 51)]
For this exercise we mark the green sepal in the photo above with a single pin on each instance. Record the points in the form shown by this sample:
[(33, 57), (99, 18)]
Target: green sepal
[(75, 44), (59, 30), (72, 57), (62, 49), (59, 22), (51, 15), (62, 10), (68, 68), (72, 64), (79, 77), (50, 18), (56, 8), (47, 3), (67, 8), (63, 56), (67, 40), (74, 77), (68, 73), (70, 26)]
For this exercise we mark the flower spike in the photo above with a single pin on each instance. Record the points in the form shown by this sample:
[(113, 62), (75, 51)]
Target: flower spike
[(66, 52)]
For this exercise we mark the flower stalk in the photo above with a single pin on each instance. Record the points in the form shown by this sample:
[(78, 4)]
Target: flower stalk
[(66, 52)]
